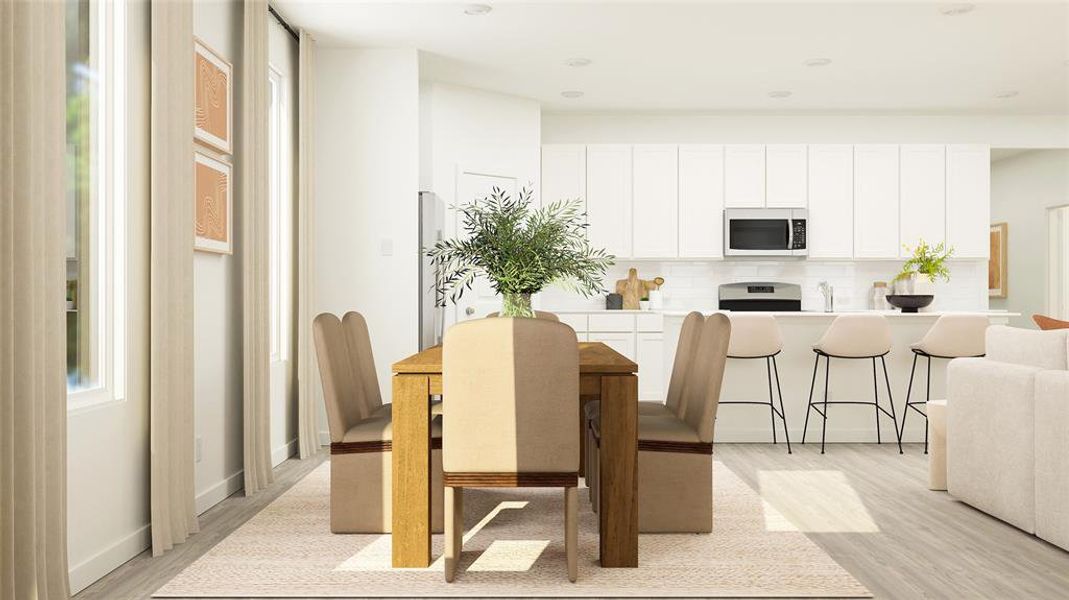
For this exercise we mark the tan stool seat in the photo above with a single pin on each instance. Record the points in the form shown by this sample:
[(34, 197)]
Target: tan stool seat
[(856, 336), (754, 336), (955, 336)]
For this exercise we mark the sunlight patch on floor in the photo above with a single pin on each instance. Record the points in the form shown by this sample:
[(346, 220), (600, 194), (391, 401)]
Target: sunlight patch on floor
[(813, 501), (378, 555), (509, 555)]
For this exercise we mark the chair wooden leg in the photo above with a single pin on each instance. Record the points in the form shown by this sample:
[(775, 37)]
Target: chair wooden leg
[(571, 531), (454, 530)]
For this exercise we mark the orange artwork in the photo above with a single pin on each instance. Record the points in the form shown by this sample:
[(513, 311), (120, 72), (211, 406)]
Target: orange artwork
[(213, 205), (212, 99), (997, 264)]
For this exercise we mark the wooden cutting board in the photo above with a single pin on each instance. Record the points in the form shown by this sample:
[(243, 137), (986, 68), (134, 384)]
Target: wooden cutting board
[(634, 289)]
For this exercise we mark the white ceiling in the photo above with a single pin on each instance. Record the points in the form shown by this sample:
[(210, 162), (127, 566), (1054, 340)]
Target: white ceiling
[(714, 56)]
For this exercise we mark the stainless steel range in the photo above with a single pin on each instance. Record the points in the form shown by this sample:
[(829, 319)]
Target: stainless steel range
[(761, 296)]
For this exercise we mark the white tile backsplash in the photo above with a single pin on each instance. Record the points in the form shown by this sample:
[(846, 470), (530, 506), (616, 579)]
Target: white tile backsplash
[(693, 284)]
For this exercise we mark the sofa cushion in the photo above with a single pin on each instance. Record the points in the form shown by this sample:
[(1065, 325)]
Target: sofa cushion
[(1052, 457), (1028, 347)]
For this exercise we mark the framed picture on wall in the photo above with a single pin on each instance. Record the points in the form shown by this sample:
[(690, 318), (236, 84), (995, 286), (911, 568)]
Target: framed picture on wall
[(214, 204), (212, 106), (997, 281)]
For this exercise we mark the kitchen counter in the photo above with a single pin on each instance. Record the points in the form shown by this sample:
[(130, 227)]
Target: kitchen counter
[(886, 313)]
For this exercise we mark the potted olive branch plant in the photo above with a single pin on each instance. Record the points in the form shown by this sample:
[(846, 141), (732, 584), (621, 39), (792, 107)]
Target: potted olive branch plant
[(520, 249), (927, 264)]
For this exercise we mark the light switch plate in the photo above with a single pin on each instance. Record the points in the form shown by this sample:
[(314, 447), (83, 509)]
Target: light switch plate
[(386, 247)]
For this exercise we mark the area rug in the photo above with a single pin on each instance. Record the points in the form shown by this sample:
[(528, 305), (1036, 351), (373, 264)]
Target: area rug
[(515, 547)]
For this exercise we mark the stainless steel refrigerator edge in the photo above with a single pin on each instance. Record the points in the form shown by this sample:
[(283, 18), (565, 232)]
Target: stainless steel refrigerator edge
[(431, 315)]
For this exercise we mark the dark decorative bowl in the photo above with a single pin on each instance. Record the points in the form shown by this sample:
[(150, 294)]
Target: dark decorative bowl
[(909, 303)]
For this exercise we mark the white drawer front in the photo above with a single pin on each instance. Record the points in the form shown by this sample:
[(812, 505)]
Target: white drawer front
[(652, 322), (576, 322), (605, 322)]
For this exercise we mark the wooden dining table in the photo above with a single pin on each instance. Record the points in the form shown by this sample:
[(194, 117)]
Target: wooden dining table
[(604, 375)]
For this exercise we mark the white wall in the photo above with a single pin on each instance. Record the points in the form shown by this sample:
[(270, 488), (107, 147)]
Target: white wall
[(367, 185), (997, 131), (107, 445), (217, 361), (1023, 187)]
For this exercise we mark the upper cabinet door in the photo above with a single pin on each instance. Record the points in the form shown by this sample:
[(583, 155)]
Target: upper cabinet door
[(656, 206), (922, 195), (785, 176), (608, 202), (701, 201), (830, 231), (563, 173), (744, 176), (876, 201), (969, 200)]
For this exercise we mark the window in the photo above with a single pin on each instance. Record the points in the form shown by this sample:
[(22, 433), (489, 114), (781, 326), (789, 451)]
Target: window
[(95, 239), (1058, 261)]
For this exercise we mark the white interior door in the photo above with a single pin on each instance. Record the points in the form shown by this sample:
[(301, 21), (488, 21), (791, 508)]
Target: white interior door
[(473, 185), (1058, 277)]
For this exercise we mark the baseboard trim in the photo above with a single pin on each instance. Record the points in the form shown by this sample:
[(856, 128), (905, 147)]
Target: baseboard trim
[(89, 571), (280, 454), (220, 491)]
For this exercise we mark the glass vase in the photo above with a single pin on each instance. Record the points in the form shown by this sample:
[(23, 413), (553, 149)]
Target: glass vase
[(517, 305)]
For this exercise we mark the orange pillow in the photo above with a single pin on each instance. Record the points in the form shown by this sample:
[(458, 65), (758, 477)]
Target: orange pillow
[(1047, 323)]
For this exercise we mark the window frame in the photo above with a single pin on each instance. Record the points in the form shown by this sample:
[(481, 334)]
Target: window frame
[(275, 238), (107, 208)]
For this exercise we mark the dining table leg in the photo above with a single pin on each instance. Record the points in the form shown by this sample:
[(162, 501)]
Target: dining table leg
[(618, 471), (411, 449)]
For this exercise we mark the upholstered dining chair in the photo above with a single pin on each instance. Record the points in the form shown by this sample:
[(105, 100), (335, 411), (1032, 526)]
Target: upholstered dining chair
[(1047, 323), (675, 453), (361, 430), (513, 392), (539, 314), (685, 347)]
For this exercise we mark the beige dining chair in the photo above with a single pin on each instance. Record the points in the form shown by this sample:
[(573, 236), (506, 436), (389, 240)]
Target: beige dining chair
[(675, 453), (513, 392), (361, 432), (685, 348), (539, 314)]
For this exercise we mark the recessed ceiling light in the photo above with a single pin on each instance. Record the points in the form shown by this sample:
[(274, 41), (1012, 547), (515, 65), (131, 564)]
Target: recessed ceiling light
[(577, 62), (779, 94), (953, 10), (572, 94), (477, 9), (817, 62), (1006, 94)]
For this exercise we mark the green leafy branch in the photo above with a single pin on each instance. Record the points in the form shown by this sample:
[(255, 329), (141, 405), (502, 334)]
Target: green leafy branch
[(927, 260)]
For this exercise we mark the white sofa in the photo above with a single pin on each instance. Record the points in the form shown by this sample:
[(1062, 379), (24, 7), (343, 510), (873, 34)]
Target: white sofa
[(1008, 430)]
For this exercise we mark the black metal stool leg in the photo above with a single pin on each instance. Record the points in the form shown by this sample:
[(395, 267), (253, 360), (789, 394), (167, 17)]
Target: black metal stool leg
[(771, 405), (891, 401), (809, 407), (927, 398), (909, 392), (824, 428), (876, 399), (782, 412)]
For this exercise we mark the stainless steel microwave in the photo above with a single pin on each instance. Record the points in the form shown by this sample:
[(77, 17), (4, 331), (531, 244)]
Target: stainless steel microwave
[(765, 232)]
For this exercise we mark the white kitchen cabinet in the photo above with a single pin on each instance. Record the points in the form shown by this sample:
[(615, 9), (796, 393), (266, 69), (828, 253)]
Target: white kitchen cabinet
[(701, 201), (876, 201), (656, 204), (649, 355), (608, 202), (830, 229), (922, 195), (611, 321), (622, 342), (968, 200), (563, 173), (744, 176), (785, 176)]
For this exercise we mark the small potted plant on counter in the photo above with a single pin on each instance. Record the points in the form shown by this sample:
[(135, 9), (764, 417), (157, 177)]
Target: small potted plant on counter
[(520, 249), (914, 286)]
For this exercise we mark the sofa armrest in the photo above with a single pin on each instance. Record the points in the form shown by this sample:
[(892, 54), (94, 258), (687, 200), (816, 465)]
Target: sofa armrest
[(1052, 457), (990, 438)]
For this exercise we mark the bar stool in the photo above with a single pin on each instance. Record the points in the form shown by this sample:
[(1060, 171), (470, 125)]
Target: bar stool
[(757, 336), (853, 337), (952, 336)]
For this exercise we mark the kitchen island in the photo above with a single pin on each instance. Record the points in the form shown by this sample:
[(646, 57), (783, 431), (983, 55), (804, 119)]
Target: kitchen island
[(850, 380)]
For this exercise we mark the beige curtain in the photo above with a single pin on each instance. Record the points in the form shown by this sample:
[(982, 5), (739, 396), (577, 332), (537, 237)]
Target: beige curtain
[(307, 430), (173, 511), (33, 388), (255, 250)]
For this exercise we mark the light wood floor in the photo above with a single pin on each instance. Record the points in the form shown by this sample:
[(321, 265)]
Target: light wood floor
[(918, 544)]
